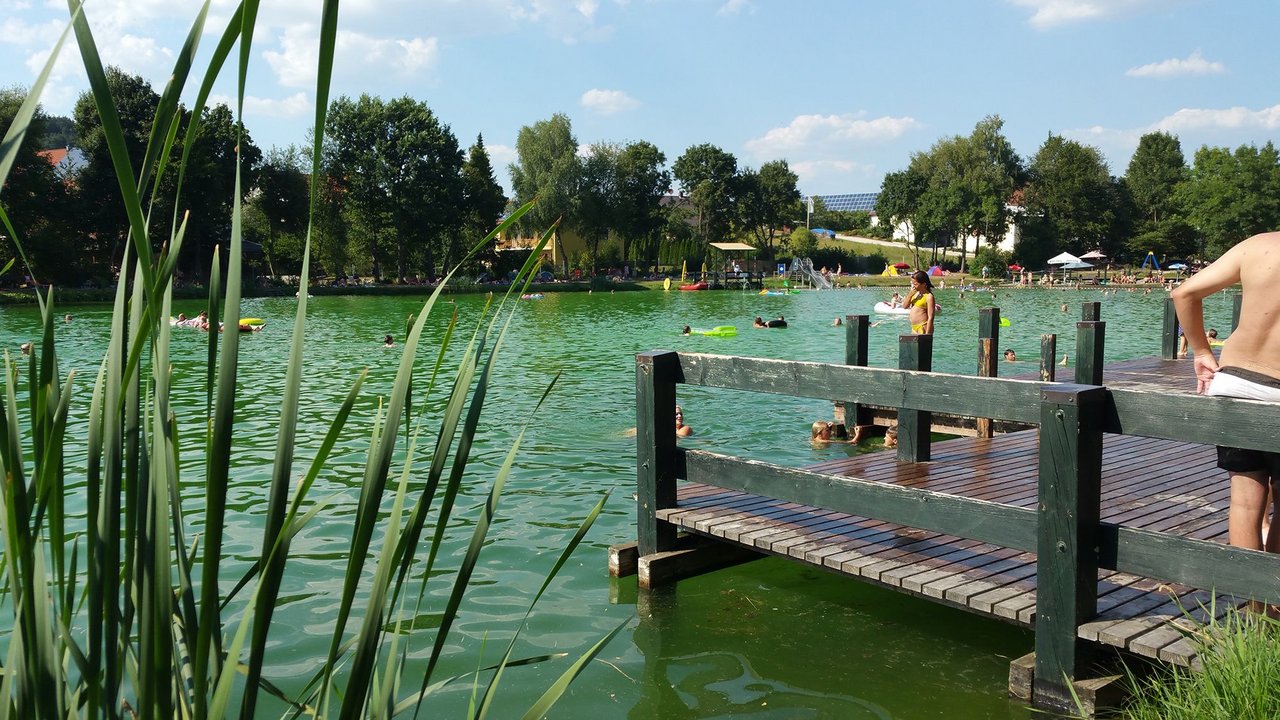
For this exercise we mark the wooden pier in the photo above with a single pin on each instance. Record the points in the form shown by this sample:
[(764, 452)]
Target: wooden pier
[(1099, 520)]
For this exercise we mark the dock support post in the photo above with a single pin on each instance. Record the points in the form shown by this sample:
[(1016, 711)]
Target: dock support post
[(988, 354), (656, 374), (915, 352), (1091, 310), (1169, 336), (1090, 339), (1070, 468), (856, 329), (1048, 357)]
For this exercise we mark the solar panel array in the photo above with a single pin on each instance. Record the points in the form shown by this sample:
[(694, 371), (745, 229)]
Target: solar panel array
[(849, 202)]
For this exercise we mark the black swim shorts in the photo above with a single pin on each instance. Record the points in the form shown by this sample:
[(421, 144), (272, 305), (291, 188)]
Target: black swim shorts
[(1241, 460)]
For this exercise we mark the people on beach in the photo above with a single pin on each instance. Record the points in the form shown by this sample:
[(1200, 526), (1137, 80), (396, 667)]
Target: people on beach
[(682, 430), (1248, 368), (921, 303), (1010, 355)]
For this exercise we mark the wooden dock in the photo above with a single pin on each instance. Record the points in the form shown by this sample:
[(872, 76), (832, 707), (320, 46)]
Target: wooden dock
[(1151, 484), (1101, 526)]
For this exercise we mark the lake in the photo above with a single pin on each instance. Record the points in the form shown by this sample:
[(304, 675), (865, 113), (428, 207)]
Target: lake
[(768, 639)]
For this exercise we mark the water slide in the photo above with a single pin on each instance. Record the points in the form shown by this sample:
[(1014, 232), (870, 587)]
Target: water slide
[(802, 271)]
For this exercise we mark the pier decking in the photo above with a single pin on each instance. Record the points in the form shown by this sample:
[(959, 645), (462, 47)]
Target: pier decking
[(1147, 483)]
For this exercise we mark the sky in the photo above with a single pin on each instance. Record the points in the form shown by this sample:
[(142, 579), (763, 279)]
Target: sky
[(844, 90)]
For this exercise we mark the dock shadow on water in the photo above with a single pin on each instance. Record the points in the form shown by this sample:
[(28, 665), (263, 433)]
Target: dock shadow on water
[(772, 639)]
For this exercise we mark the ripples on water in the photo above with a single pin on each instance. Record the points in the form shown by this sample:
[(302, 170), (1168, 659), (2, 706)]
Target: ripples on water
[(749, 641)]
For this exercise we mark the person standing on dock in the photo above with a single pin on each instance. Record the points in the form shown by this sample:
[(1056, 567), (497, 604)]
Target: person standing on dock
[(920, 302), (1249, 368)]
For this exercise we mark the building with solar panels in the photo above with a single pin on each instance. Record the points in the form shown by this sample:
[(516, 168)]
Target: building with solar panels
[(849, 202), (866, 201)]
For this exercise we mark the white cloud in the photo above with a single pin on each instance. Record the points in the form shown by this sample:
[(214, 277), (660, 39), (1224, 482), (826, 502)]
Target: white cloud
[(608, 102), (1235, 118), (295, 105), (734, 7), (358, 54), (1052, 13), (811, 134), (500, 156), (1194, 64)]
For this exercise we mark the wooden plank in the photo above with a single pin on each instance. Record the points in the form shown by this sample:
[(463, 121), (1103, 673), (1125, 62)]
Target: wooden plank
[(664, 568), (963, 395), (1194, 418), (951, 514)]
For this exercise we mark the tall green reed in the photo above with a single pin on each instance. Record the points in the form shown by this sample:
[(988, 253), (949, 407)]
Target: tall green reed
[(127, 615)]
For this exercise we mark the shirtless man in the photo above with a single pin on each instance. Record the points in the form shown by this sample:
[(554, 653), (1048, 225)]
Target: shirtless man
[(1250, 368)]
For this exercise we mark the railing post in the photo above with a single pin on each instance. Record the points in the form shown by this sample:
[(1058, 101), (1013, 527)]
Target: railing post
[(1091, 310), (988, 354), (1169, 336), (915, 352), (856, 329), (1090, 339), (1070, 470), (1048, 357), (1236, 298), (657, 372)]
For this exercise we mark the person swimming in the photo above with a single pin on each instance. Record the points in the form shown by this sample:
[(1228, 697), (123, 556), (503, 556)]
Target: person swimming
[(778, 322), (388, 341)]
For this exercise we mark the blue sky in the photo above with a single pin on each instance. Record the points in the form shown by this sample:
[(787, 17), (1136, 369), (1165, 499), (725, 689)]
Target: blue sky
[(844, 90)]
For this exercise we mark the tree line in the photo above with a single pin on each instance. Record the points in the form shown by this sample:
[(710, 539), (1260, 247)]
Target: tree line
[(400, 198), (1064, 197)]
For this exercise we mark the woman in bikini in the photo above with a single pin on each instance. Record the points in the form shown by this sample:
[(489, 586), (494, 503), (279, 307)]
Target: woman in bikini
[(920, 301)]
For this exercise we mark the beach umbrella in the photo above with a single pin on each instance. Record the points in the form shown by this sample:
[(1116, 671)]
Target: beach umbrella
[(1077, 265), (901, 265), (1177, 266), (1015, 267), (1092, 255), (1063, 259)]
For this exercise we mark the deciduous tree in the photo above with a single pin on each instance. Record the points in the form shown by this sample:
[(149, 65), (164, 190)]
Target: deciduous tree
[(546, 168)]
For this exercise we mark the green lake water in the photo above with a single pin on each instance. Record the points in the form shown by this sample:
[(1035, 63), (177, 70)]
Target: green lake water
[(768, 639)]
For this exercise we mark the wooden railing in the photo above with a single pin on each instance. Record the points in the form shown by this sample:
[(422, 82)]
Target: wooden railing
[(1065, 531)]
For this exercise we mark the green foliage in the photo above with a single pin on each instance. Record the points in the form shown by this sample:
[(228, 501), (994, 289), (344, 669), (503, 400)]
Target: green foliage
[(642, 183), (546, 168), (32, 188), (1230, 196), (708, 175), (1068, 197), (483, 204), (996, 261), (802, 243), (766, 201), (1238, 679)]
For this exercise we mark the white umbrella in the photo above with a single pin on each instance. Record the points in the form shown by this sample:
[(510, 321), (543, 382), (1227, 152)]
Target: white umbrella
[(1092, 255), (1077, 265), (1063, 259)]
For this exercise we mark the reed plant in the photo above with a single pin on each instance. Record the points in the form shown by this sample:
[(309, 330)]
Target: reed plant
[(123, 599), (1238, 678)]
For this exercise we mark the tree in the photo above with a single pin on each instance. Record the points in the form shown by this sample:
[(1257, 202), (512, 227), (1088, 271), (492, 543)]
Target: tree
[(29, 196), (597, 197), (803, 242), (400, 173), (1154, 172), (767, 200), (209, 185), (280, 196), (483, 201), (1069, 197), (642, 183), (546, 168), (707, 175), (1230, 196), (104, 223), (899, 202)]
